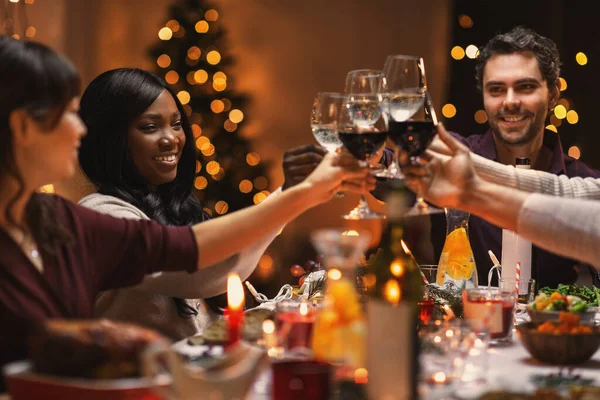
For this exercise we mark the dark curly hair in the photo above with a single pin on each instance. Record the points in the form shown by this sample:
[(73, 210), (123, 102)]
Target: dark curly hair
[(519, 40)]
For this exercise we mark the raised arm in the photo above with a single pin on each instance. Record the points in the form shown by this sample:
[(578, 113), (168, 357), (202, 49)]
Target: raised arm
[(522, 179), (565, 226), (220, 238)]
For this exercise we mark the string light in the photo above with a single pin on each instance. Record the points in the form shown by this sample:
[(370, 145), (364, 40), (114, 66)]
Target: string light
[(165, 33), (552, 128), (194, 52), (201, 76), (457, 52), (574, 152), (465, 21), (252, 158), (236, 116), (163, 61), (472, 51), (184, 97), (217, 106), (560, 111), (221, 207), (563, 84), (229, 126), (200, 182), (581, 58), (211, 15), (172, 77), (572, 117), (213, 57), (30, 32), (245, 186), (448, 110), (259, 197), (481, 117), (201, 26)]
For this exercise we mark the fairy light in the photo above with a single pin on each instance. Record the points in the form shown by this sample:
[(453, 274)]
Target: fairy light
[(236, 116), (165, 33), (200, 182), (481, 117), (552, 128), (201, 76), (211, 15), (457, 52), (465, 21), (163, 61), (213, 57), (574, 152), (201, 26), (229, 126), (560, 111), (245, 186), (572, 117), (252, 159), (472, 51), (448, 110), (261, 183), (221, 207), (217, 106), (172, 77), (581, 58), (184, 97), (563, 84)]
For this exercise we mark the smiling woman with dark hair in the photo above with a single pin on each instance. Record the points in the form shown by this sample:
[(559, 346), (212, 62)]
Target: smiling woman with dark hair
[(139, 153)]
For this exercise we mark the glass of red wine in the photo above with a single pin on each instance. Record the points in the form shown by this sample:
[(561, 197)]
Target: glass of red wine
[(362, 128), (412, 131), (363, 114), (404, 97)]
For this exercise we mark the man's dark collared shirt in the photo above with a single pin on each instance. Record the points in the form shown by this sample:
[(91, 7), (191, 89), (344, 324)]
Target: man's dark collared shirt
[(547, 268)]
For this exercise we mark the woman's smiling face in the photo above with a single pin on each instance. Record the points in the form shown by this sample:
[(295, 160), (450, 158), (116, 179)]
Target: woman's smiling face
[(156, 140)]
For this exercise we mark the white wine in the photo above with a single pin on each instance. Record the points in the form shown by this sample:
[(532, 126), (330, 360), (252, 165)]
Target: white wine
[(403, 106), (327, 136), (365, 113)]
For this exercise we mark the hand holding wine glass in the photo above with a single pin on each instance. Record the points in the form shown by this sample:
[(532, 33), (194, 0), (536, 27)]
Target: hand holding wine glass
[(362, 126)]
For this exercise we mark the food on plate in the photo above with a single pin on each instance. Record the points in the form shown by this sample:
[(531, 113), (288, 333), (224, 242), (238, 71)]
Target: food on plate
[(558, 302), (568, 323), (98, 349)]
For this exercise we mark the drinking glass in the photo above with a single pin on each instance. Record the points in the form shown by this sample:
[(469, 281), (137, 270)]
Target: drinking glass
[(412, 117), (491, 311), (404, 98), (325, 112)]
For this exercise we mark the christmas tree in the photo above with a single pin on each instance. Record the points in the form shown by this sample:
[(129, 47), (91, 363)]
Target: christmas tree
[(191, 57)]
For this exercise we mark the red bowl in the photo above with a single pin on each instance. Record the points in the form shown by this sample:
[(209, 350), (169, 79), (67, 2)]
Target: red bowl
[(24, 384)]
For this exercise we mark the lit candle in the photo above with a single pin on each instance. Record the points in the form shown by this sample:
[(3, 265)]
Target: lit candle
[(235, 308)]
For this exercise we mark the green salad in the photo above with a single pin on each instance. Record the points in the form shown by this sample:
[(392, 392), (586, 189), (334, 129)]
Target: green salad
[(569, 298)]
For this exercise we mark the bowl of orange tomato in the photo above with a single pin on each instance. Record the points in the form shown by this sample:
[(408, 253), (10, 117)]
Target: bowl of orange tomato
[(564, 342)]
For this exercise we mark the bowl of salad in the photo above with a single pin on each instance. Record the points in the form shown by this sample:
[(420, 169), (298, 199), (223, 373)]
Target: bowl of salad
[(549, 303)]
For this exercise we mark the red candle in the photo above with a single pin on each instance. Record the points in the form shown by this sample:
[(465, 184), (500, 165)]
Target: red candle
[(234, 313)]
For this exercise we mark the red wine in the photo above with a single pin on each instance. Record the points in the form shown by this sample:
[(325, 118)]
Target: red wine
[(412, 136), (363, 145)]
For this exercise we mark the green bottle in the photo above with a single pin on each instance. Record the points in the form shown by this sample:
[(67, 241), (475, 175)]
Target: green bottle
[(395, 288)]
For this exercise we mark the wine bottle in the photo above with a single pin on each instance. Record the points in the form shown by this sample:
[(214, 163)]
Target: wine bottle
[(394, 291)]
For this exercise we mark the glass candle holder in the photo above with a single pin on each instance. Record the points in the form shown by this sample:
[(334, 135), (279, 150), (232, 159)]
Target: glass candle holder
[(294, 323)]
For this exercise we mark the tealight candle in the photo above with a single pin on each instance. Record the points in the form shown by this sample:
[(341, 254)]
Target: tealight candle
[(235, 308)]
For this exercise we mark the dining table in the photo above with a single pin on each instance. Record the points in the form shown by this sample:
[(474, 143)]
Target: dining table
[(510, 368)]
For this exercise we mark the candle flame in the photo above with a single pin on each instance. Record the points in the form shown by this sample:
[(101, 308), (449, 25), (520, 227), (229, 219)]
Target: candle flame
[(361, 376), (303, 309), (235, 292), (268, 326), (405, 247), (439, 377)]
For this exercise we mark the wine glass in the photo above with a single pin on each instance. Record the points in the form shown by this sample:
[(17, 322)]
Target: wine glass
[(323, 123), (325, 112), (404, 98), (412, 118), (364, 126), (363, 130)]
